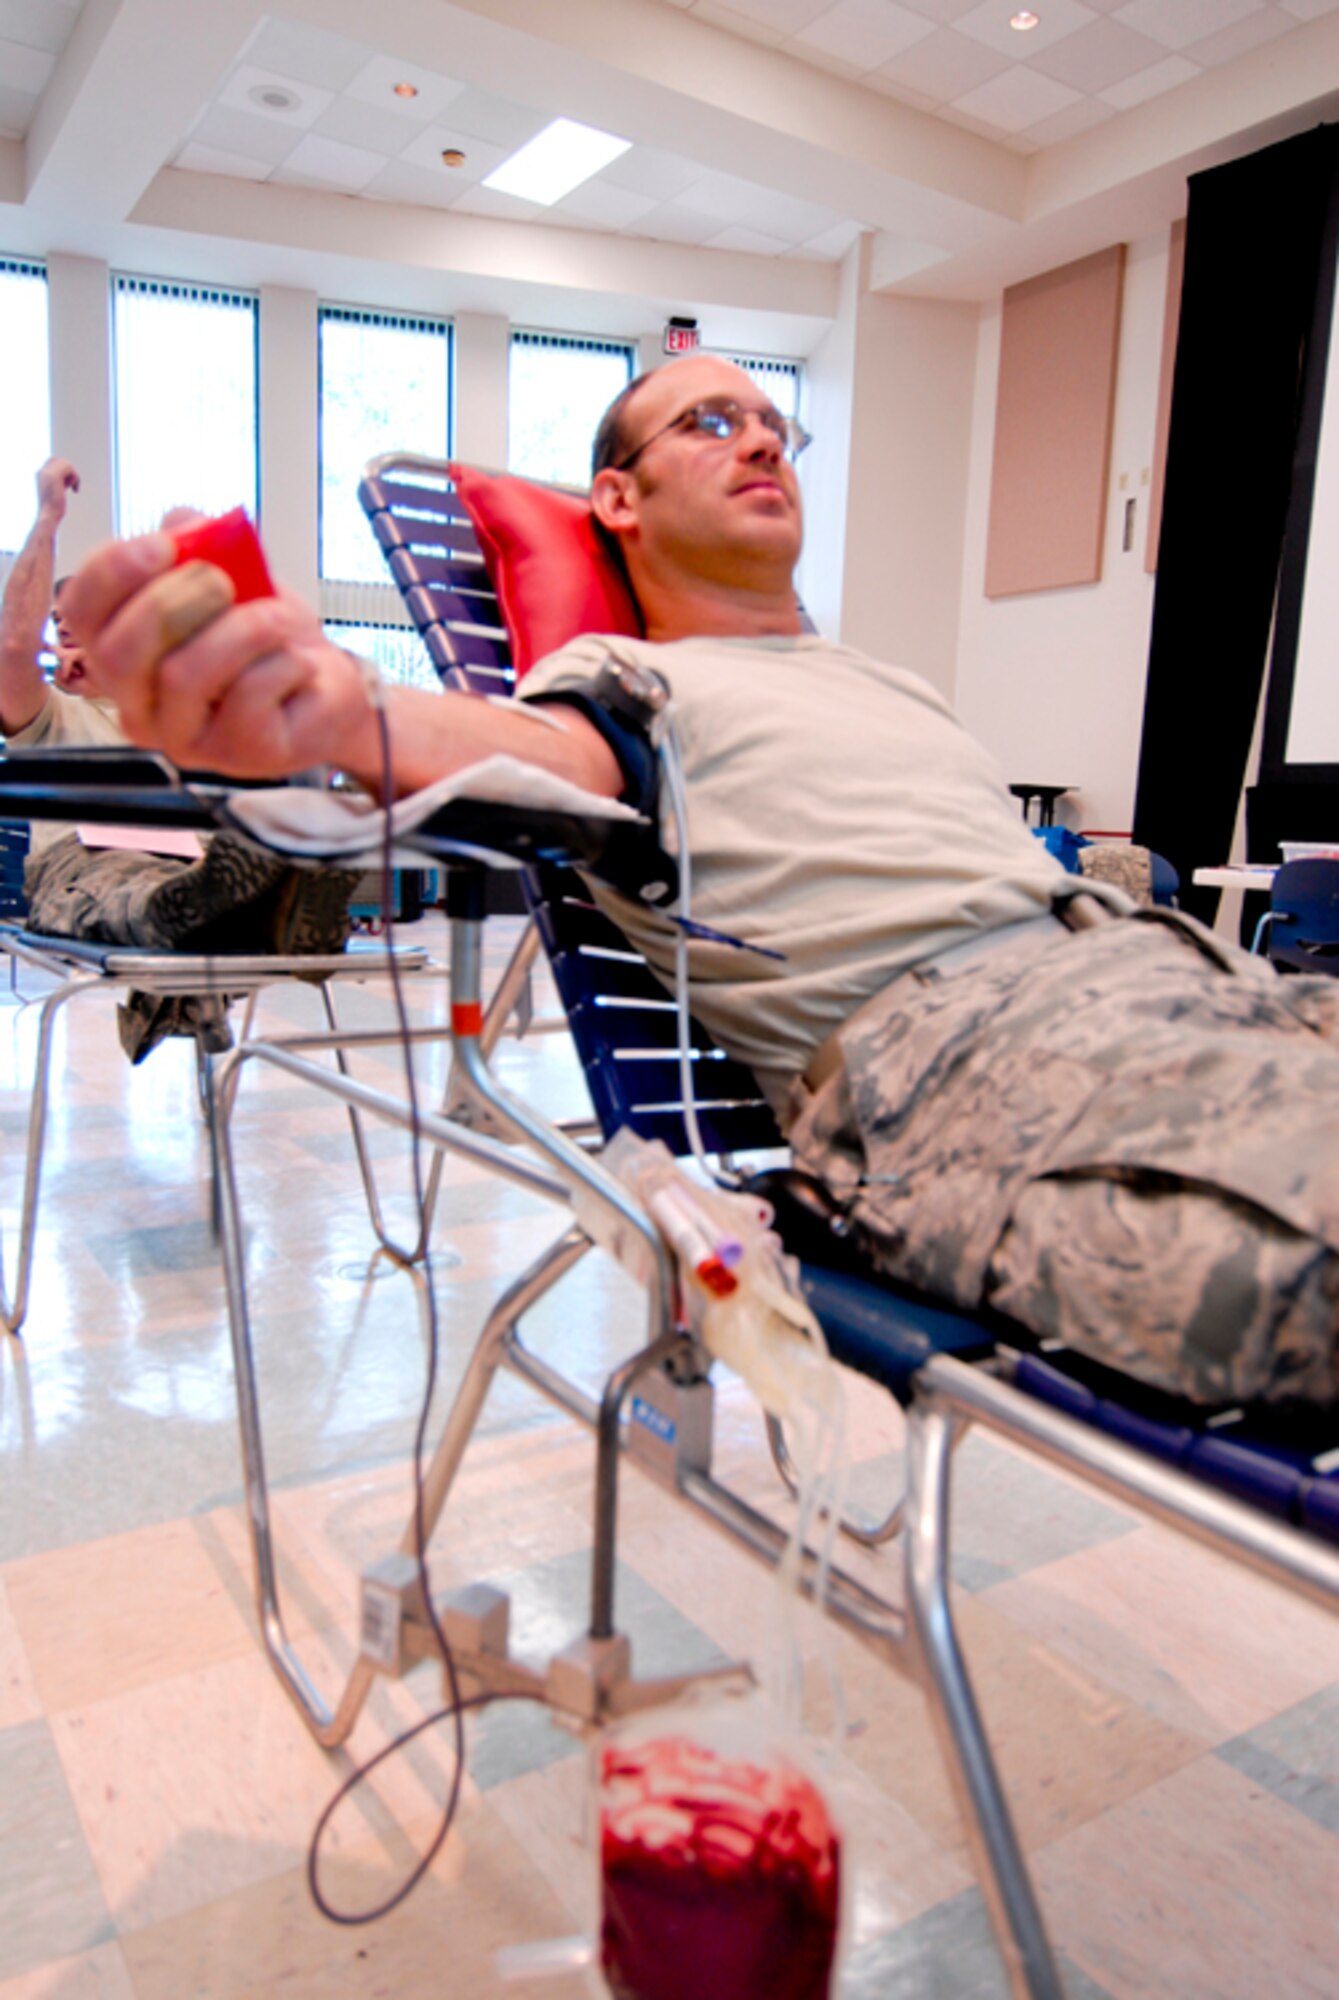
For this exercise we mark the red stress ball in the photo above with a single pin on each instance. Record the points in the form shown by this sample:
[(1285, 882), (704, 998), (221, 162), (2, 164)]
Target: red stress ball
[(231, 544)]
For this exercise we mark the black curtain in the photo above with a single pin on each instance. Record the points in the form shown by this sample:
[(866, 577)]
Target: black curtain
[(1254, 235)]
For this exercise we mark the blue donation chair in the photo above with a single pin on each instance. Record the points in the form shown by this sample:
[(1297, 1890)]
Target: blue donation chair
[(1240, 1485), (1300, 929)]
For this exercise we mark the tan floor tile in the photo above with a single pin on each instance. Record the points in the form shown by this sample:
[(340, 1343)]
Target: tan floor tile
[(110, 1616), (482, 1892), (1068, 1748), (895, 1870), (209, 1782), (1201, 1888), (19, 1700), (1197, 1640), (94, 1975)]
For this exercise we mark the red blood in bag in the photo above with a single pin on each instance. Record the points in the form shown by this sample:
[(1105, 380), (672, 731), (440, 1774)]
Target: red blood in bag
[(231, 544), (719, 1878)]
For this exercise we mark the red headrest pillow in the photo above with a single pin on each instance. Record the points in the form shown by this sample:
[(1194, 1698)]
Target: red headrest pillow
[(554, 577)]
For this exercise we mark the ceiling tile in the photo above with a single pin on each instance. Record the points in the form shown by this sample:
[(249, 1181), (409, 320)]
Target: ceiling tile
[(245, 133), (1175, 23), (734, 23), (376, 80), (753, 242), (864, 32), (1251, 32), (1098, 56), (1146, 83), (647, 171), (319, 162), (941, 11), (945, 65), (1017, 98), (721, 195), (496, 119), (788, 16), (833, 243), (1067, 124), (25, 69), (37, 24), (414, 186), (670, 224), (246, 90), (291, 48), (480, 158), (195, 159), (358, 124), (557, 218), (989, 23), (498, 207), (602, 203)]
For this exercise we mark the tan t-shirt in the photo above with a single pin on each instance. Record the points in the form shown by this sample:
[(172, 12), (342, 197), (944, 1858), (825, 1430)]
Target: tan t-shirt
[(65, 722), (837, 812)]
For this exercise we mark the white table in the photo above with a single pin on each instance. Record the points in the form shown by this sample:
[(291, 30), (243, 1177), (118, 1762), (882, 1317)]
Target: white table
[(1236, 875)]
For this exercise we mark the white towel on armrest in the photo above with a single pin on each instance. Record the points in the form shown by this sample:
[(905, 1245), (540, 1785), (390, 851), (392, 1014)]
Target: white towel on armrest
[(349, 826)]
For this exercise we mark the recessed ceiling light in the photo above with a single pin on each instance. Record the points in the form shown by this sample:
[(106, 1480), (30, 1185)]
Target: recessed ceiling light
[(274, 97), (406, 89), (555, 161), (1024, 20), (453, 157)]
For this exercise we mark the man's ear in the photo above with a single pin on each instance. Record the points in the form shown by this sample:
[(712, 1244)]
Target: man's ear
[(613, 501)]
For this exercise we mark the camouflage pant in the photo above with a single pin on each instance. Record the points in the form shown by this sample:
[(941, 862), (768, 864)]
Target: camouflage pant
[(238, 897), (1125, 1137)]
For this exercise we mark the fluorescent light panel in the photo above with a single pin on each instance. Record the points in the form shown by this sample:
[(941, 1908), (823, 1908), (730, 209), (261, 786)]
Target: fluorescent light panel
[(555, 161)]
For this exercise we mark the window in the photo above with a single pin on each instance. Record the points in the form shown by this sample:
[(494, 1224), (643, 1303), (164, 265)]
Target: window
[(184, 366), (559, 389), (385, 386), (400, 655), (27, 400), (780, 380)]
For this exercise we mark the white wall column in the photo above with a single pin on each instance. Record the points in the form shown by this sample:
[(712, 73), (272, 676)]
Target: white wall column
[(889, 400), (288, 436), (79, 306), (483, 353)]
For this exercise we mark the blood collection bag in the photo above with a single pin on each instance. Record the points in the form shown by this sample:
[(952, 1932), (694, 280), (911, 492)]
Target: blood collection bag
[(720, 1863)]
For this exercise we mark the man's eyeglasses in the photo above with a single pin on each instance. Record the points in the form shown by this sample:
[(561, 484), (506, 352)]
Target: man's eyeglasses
[(722, 417)]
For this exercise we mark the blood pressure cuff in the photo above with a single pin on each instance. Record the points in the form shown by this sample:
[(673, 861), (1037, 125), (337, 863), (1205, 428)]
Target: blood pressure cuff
[(634, 862)]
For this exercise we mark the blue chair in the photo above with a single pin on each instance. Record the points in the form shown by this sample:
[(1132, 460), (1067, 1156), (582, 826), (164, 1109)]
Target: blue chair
[(1262, 1493), (1301, 927)]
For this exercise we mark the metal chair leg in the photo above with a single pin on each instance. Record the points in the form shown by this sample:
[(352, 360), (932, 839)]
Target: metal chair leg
[(1001, 1870), (15, 1310), (403, 1255)]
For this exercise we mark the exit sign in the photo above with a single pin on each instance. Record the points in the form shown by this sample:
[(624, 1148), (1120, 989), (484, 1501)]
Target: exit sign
[(682, 337)]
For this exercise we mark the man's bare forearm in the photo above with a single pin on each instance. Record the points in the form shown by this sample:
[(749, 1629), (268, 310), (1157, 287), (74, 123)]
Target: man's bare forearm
[(432, 735), (23, 616)]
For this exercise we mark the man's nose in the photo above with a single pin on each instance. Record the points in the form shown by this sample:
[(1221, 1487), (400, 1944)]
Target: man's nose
[(758, 439)]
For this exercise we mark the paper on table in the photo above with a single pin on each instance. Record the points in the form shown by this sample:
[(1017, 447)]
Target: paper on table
[(338, 825), (144, 839)]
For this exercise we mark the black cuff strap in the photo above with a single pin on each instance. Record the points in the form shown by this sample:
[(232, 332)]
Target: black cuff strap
[(634, 862)]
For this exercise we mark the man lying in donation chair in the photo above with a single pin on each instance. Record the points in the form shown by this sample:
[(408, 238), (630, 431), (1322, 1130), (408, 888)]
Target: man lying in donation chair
[(1016, 1094)]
